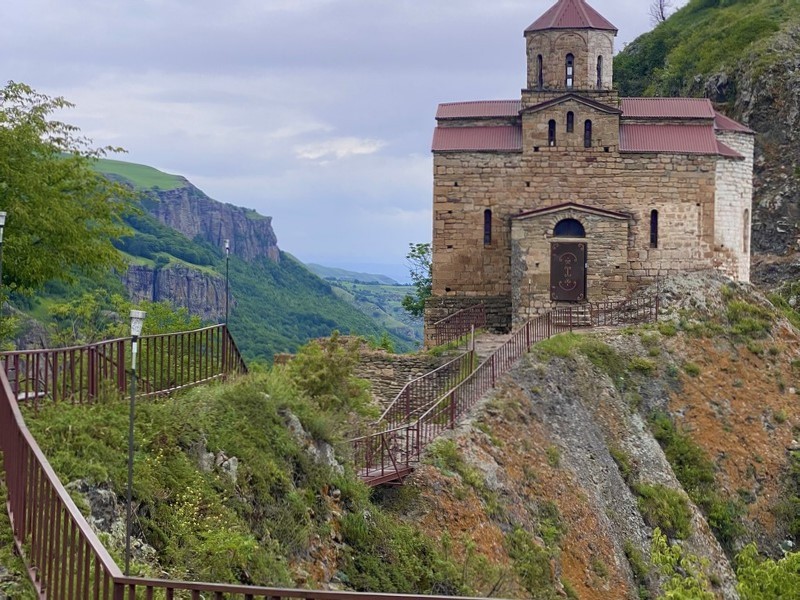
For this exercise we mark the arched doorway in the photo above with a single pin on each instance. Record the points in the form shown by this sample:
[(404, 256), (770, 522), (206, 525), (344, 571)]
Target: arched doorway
[(568, 262)]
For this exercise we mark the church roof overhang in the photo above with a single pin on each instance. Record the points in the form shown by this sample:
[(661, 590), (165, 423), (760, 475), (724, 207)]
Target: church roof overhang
[(571, 14), (478, 109), (477, 139), (671, 139), (571, 206), (666, 108), (723, 123), (599, 106)]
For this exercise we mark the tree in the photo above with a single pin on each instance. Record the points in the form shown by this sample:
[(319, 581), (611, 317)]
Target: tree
[(419, 267), (659, 10), (62, 214)]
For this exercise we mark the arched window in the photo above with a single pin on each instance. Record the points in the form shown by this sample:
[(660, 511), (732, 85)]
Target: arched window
[(539, 72), (570, 71), (487, 227), (587, 134), (569, 228), (599, 72), (551, 133), (654, 229), (746, 231), (570, 122)]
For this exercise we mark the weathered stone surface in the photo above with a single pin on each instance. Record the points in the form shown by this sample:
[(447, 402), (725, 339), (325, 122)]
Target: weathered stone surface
[(200, 293), (194, 214)]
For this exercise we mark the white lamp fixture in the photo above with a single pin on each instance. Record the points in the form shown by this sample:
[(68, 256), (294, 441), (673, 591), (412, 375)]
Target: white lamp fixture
[(227, 246), (137, 321), (2, 225)]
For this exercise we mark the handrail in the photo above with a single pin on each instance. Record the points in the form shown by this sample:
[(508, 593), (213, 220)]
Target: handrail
[(391, 454), (459, 324), (165, 363), (419, 392)]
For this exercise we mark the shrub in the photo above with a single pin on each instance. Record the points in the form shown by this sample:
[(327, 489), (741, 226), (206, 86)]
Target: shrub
[(691, 369), (531, 564), (664, 508), (642, 365), (748, 320)]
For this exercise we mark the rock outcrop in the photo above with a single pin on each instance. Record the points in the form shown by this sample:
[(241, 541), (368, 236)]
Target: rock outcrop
[(200, 292), (189, 211)]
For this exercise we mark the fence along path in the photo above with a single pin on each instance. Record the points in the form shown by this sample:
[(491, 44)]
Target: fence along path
[(166, 363), (391, 454)]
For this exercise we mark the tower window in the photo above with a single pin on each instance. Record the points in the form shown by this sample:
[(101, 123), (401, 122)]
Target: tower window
[(746, 231), (599, 72), (539, 72), (570, 122), (487, 227), (551, 133), (570, 71), (654, 229), (587, 134)]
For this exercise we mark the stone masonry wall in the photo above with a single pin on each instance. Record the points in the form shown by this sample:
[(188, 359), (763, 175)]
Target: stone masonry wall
[(733, 206), (388, 373), (679, 187), (606, 258), (535, 128), (585, 45), (498, 312)]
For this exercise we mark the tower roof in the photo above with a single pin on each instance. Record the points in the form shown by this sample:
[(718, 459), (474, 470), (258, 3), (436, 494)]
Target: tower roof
[(571, 14)]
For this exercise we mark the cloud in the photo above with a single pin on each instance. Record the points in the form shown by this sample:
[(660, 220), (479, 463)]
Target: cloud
[(338, 148)]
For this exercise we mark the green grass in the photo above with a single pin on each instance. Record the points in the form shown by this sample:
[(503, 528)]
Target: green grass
[(702, 38), (18, 585), (141, 176), (206, 527), (664, 508)]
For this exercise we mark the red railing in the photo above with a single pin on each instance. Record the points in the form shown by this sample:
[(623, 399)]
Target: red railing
[(459, 324), (66, 560), (165, 363), (390, 455), (418, 394)]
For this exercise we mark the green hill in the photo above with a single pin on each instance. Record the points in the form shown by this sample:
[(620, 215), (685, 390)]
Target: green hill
[(141, 176), (345, 275), (699, 40)]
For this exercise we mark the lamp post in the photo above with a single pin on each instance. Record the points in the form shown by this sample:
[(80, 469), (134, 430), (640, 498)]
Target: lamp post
[(2, 227), (137, 320), (227, 269)]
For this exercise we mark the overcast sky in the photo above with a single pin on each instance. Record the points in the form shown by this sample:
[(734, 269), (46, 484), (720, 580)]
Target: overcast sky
[(316, 112)]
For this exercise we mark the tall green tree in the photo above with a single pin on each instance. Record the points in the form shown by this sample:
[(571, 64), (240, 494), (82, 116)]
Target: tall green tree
[(419, 268), (62, 215)]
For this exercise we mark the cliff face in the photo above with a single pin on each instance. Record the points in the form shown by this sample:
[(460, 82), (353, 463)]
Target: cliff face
[(763, 91), (573, 444), (201, 293), (192, 213)]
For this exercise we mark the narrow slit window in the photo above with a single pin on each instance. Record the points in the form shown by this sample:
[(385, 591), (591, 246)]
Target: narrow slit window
[(570, 71), (539, 72), (570, 122), (746, 231), (599, 72), (654, 229), (551, 133), (587, 134), (487, 227)]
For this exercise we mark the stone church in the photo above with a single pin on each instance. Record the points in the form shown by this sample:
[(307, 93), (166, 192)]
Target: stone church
[(572, 194)]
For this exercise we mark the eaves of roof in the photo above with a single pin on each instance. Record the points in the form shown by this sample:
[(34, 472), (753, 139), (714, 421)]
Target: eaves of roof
[(571, 206), (577, 98), (479, 109)]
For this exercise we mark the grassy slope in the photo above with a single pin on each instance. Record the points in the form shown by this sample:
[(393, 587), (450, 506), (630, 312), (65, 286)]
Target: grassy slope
[(286, 515), (142, 176), (702, 38)]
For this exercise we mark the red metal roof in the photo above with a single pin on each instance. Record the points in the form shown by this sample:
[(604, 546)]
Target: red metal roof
[(680, 139), (487, 108), (571, 14), (727, 151), (723, 123), (667, 108), (498, 139)]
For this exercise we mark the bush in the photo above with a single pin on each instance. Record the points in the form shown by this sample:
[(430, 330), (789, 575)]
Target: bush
[(642, 365), (531, 564), (691, 369), (664, 508)]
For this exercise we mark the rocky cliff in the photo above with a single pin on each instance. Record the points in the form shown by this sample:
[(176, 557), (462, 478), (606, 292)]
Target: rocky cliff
[(195, 215), (593, 440), (201, 292)]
